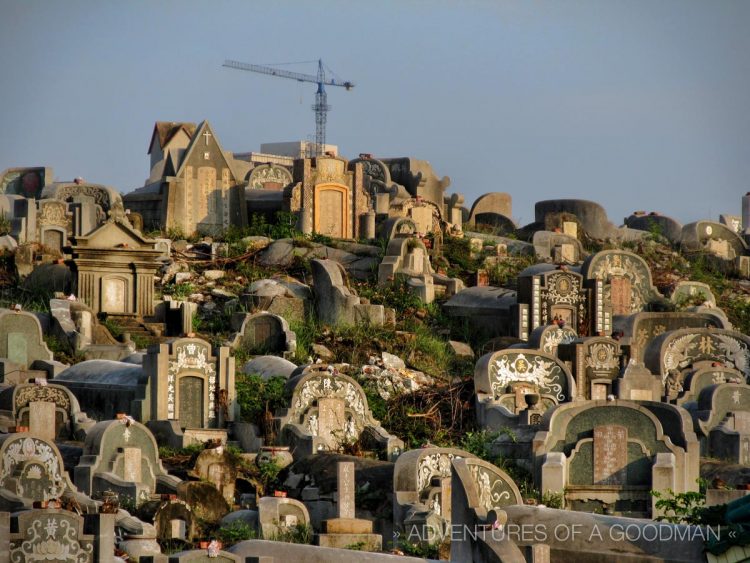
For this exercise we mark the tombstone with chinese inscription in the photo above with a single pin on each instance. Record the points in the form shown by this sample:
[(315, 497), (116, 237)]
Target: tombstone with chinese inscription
[(49, 411), (516, 386), (548, 294), (122, 456), (605, 456), (60, 535), (31, 469), (192, 394), (621, 285), (674, 354), (722, 416), (263, 333), (704, 374), (595, 365), (346, 529), (327, 411)]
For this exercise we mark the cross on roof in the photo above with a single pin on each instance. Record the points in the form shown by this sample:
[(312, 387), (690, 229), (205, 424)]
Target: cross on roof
[(206, 134)]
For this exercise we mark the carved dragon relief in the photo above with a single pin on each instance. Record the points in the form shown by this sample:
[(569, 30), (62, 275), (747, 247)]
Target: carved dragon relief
[(539, 371), (684, 350)]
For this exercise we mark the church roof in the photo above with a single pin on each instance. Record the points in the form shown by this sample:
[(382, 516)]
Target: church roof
[(165, 130)]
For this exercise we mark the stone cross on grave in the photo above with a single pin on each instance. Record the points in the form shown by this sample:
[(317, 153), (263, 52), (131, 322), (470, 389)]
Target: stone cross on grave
[(206, 135)]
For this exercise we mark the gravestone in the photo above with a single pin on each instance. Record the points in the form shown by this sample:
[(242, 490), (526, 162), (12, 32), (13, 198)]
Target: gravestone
[(277, 515), (610, 455), (336, 303), (42, 419), (60, 535), (328, 410), (216, 466), (346, 529), (554, 296), (174, 519), (595, 365), (122, 456), (263, 333), (498, 374), (21, 339), (31, 469), (277, 298)]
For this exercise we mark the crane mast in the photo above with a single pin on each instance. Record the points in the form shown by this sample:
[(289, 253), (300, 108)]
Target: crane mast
[(320, 107)]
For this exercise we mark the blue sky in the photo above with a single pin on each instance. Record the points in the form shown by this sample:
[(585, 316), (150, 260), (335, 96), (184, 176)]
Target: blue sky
[(633, 104)]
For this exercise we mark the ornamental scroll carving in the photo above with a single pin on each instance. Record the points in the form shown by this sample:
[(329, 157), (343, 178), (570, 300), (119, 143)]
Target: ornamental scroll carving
[(191, 357), (492, 490), (99, 194), (328, 386), (269, 173), (39, 452), (45, 393), (607, 265), (55, 538), (520, 368), (53, 212), (687, 349), (434, 465)]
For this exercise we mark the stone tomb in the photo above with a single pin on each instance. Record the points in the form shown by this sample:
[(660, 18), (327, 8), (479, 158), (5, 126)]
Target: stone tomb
[(50, 411), (215, 466), (115, 267), (407, 258), (421, 485), (712, 238), (60, 535), (722, 416), (174, 520), (695, 294), (702, 375), (595, 365), (557, 247), (122, 456), (335, 302), (278, 515), (31, 469), (638, 330), (21, 341), (329, 410), (673, 354), (605, 456), (549, 295), (515, 381), (548, 338), (328, 199), (263, 333), (346, 529), (620, 280)]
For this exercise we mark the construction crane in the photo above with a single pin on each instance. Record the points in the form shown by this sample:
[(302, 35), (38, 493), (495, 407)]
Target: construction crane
[(320, 107)]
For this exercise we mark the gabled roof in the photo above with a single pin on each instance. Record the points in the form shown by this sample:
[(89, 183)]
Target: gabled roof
[(196, 139), (166, 130)]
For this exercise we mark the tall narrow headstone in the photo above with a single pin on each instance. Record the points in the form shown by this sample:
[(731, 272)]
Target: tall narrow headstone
[(345, 477)]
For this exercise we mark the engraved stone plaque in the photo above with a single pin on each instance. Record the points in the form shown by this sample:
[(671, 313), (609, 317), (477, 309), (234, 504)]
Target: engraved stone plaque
[(132, 465), (42, 419), (610, 455), (331, 420), (345, 475), (17, 351), (330, 218), (113, 296), (621, 295), (191, 402)]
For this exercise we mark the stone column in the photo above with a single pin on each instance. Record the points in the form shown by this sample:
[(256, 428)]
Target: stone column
[(554, 473), (746, 213), (367, 227), (663, 477)]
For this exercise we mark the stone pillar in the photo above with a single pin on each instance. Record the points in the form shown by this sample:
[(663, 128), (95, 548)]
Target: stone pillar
[(367, 226), (554, 473), (663, 477), (537, 553), (746, 213), (4, 537), (445, 498), (187, 310), (42, 420), (102, 527)]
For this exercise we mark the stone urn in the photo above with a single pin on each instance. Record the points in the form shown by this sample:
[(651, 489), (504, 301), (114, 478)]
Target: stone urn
[(280, 455), (532, 399)]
